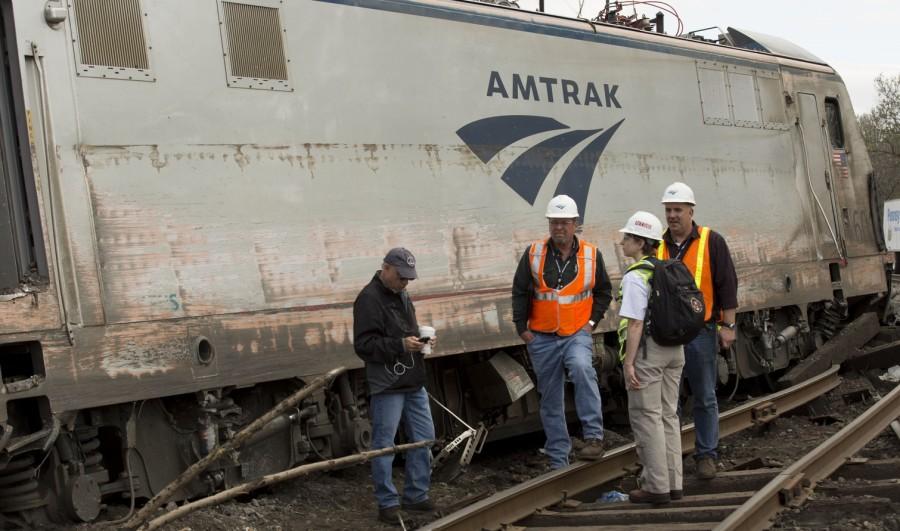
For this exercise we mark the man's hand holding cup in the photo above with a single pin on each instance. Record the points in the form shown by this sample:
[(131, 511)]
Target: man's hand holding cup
[(427, 338)]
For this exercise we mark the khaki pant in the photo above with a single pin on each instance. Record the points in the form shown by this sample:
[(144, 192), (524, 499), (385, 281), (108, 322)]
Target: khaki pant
[(653, 410)]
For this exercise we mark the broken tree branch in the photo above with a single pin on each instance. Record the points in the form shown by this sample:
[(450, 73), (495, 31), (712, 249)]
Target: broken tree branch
[(277, 477), (220, 451)]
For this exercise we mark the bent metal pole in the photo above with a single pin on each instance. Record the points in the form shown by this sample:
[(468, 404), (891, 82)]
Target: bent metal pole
[(242, 436), (278, 477)]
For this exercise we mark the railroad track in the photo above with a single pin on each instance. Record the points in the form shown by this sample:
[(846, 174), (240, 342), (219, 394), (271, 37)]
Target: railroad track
[(746, 499)]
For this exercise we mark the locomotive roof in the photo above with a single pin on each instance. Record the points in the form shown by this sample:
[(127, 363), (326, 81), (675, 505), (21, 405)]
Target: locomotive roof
[(749, 47)]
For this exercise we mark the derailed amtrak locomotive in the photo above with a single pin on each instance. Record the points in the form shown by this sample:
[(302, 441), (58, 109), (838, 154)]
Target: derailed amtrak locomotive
[(194, 192)]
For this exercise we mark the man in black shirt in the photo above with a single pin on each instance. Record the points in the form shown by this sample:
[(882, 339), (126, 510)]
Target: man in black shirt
[(560, 292), (705, 253), (386, 337)]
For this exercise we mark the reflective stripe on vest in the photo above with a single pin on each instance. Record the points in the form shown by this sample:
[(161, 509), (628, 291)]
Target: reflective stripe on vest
[(562, 299), (588, 267), (701, 253), (567, 310), (622, 331), (537, 252), (701, 261)]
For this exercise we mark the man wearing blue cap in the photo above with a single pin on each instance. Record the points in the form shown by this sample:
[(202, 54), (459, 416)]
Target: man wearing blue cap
[(385, 336)]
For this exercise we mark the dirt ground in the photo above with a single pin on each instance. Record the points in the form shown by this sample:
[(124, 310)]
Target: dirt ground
[(343, 499)]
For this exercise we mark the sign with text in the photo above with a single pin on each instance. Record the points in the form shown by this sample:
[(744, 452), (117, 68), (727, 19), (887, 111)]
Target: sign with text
[(892, 225)]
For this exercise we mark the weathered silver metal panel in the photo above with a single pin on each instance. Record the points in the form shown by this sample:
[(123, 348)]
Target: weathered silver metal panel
[(714, 95), (771, 99), (254, 218), (110, 40), (745, 108)]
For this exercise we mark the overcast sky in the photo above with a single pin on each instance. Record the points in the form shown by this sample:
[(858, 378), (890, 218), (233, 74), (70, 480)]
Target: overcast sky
[(860, 39)]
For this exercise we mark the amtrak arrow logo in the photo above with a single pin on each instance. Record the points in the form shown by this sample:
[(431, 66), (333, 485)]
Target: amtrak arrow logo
[(527, 173)]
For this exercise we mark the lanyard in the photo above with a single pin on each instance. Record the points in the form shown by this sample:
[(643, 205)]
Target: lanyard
[(682, 247), (561, 270)]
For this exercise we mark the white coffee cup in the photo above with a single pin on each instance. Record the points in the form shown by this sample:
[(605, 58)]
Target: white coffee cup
[(426, 331)]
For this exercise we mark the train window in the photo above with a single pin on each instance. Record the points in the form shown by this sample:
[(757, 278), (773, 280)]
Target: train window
[(713, 96), (833, 119), (743, 99), (109, 38), (253, 44)]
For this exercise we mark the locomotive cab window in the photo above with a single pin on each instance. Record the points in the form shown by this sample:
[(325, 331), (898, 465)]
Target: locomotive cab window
[(833, 121)]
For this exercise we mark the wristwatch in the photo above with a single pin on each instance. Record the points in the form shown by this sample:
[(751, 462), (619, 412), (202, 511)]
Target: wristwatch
[(729, 326)]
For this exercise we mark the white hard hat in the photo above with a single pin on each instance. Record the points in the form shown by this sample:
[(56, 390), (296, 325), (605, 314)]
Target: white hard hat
[(678, 193), (562, 206), (645, 225)]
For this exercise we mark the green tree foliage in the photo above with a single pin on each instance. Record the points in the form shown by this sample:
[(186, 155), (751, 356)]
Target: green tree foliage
[(881, 131)]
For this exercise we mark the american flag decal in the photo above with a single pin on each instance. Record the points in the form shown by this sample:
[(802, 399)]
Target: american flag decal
[(840, 162)]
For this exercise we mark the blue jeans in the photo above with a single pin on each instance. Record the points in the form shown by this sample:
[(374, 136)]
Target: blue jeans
[(553, 357), (700, 369), (386, 411)]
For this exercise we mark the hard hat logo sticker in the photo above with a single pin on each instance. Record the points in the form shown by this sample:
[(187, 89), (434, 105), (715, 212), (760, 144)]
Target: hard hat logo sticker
[(527, 173)]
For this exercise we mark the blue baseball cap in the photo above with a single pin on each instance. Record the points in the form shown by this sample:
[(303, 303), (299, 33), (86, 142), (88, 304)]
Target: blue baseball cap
[(404, 261)]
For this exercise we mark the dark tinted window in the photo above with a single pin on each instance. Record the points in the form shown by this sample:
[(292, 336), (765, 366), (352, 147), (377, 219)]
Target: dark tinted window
[(835, 127)]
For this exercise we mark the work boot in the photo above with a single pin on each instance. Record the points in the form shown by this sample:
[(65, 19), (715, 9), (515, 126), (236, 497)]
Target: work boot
[(592, 450), (424, 506), (706, 467), (390, 515), (642, 496), (676, 494)]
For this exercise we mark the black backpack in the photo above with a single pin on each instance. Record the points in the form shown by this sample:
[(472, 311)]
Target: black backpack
[(675, 311)]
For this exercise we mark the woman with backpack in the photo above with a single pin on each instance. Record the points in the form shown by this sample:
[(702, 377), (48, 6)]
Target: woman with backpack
[(652, 371)]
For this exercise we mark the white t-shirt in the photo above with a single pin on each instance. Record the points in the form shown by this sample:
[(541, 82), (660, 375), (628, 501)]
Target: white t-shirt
[(635, 294)]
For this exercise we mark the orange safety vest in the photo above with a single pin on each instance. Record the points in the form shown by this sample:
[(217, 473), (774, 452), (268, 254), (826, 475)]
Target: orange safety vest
[(561, 311), (696, 259)]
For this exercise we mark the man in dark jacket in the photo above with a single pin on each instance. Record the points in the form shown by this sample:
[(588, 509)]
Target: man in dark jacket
[(385, 336)]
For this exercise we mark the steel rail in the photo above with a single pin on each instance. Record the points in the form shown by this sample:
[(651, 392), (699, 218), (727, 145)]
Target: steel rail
[(792, 486), (513, 504)]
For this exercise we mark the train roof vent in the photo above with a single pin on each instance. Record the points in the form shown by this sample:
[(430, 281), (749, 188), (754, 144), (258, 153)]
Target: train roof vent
[(110, 39), (253, 44)]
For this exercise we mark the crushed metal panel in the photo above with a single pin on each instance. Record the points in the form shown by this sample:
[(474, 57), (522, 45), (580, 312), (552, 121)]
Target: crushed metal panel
[(110, 40), (253, 45)]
